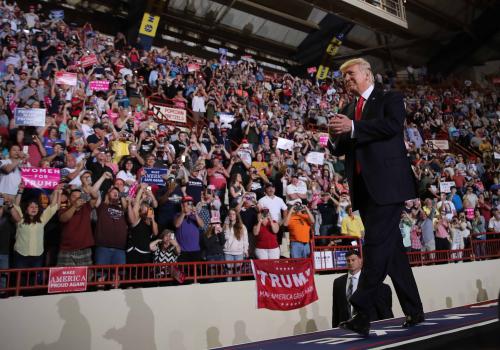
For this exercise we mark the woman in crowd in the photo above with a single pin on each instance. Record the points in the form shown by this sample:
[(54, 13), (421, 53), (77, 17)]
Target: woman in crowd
[(236, 245), (30, 221), (266, 231)]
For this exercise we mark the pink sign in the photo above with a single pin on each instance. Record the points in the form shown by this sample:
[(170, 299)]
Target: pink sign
[(99, 85), (323, 139), (65, 78), (67, 279), (41, 177), (87, 61), (193, 67), (311, 70)]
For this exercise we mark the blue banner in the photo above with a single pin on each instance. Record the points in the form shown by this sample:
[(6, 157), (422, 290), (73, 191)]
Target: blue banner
[(339, 259), (153, 176)]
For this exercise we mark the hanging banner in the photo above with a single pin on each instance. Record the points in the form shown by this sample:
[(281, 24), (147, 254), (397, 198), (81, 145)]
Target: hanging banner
[(67, 279), (29, 117), (41, 177), (284, 284), (149, 25), (65, 78)]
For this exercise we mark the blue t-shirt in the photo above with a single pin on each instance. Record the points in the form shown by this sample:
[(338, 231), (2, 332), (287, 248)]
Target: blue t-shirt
[(188, 235)]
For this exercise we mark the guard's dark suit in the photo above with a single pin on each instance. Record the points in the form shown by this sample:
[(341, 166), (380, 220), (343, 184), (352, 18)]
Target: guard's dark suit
[(379, 191), (382, 305)]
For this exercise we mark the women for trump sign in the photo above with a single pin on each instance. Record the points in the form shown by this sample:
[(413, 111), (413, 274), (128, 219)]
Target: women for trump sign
[(284, 284), (41, 177)]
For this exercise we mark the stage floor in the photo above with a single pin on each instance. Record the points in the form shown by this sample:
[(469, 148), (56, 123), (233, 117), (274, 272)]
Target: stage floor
[(474, 323)]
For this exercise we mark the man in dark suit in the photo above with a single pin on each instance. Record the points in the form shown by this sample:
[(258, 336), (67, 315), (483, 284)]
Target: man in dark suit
[(369, 132), (345, 285)]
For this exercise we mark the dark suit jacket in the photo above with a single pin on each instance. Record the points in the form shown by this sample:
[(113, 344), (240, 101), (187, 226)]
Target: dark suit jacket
[(378, 145), (382, 307)]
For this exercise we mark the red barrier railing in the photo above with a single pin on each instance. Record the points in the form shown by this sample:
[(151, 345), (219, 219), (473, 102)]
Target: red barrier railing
[(329, 256)]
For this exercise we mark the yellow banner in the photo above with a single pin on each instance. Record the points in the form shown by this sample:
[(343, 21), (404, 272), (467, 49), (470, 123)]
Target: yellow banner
[(322, 72), (149, 24)]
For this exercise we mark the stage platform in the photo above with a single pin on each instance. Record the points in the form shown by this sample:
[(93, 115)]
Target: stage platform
[(468, 327)]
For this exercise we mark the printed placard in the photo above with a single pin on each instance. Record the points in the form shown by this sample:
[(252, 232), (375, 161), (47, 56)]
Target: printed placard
[(30, 116), (315, 158), (67, 279), (177, 115), (66, 78), (99, 85), (285, 144), (311, 70), (445, 186), (154, 176), (89, 60), (440, 144), (226, 118), (323, 139), (149, 24), (193, 67), (47, 178)]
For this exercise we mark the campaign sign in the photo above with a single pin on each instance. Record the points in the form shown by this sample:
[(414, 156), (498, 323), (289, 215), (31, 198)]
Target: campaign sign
[(226, 118), (56, 15), (41, 177), (172, 114), (340, 259), (283, 284), (87, 61), (193, 67), (285, 144), (160, 60), (315, 158), (223, 51), (445, 186), (65, 78), (30, 116), (311, 70), (323, 139), (99, 85), (153, 176), (67, 279)]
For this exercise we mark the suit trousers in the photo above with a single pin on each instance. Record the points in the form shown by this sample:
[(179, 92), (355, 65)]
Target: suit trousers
[(383, 254)]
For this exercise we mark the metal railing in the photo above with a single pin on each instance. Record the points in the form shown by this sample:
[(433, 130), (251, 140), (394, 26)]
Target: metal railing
[(34, 281)]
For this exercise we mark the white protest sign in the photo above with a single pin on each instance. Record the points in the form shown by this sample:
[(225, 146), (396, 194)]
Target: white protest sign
[(172, 114), (445, 186), (315, 158), (226, 118), (285, 144), (440, 144), (29, 116), (496, 155)]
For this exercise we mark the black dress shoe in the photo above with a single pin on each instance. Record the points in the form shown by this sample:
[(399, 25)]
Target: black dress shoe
[(359, 323), (413, 320)]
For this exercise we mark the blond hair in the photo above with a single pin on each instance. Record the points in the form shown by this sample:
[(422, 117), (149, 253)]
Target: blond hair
[(362, 63)]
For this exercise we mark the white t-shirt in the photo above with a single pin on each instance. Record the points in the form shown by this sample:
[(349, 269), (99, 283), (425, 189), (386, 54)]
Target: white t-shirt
[(9, 182), (300, 188), (494, 224), (275, 206), (198, 104)]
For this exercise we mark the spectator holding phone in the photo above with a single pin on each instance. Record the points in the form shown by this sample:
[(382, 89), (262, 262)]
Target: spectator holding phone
[(299, 221), (266, 231), (165, 248), (30, 222), (77, 238), (188, 224)]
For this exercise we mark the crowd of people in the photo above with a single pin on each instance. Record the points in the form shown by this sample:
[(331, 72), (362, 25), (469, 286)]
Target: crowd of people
[(229, 188)]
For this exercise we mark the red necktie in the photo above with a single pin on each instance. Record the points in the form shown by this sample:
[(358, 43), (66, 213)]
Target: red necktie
[(357, 116)]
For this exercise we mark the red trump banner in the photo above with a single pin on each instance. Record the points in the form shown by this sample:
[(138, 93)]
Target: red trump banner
[(284, 284), (65, 78), (88, 61), (67, 279), (41, 177)]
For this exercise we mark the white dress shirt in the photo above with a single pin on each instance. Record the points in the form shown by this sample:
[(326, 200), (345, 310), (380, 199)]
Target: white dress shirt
[(366, 94), (354, 280)]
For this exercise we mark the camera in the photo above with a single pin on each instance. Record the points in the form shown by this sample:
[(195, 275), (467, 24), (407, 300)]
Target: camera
[(85, 197), (264, 212), (298, 207)]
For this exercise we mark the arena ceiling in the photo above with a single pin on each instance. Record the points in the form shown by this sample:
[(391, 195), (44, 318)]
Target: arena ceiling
[(445, 34)]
